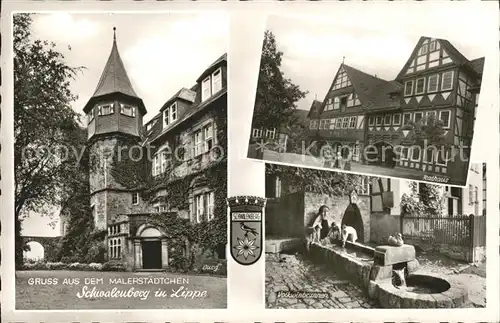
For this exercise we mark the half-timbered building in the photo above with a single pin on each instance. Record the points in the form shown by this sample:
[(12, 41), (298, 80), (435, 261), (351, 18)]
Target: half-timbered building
[(361, 110)]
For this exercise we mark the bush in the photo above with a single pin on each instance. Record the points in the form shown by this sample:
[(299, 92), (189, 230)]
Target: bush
[(113, 265)]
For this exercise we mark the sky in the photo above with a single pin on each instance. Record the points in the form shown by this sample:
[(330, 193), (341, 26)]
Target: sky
[(313, 51), (161, 52)]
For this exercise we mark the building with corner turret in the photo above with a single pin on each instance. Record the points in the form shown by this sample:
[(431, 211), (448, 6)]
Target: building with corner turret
[(193, 121)]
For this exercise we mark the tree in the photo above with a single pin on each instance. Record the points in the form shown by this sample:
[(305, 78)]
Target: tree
[(47, 142), (313, 180), (276, 95), (430, 132)]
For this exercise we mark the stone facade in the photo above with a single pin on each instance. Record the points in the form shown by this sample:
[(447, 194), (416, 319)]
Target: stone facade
[(190, 121)]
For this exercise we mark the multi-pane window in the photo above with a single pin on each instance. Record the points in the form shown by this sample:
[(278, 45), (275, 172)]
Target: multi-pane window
[(444, 116), (115, 248), (211, 84), (406, 118), (203, 206), (209, 198), (352, 122), (447, 80), (432, 83), (313, 124), (169, 115), (387, 119), (91, 115), (127, 110), (135, 198), (442, 157), (423, 49), (345, 122), (415, 153), (270, 133), (341, 81), (371, 121), (338, 123), (404, 153), (420, 86), (257, 133), (160, 162), (203, 139), (378, 121), (106, 109), (408, 88), (430, 115), (160, 208), (396, 119), (216, 81), (329, 104), (418, 117)]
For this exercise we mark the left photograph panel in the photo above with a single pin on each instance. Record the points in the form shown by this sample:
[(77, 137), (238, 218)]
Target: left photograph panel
[(120, 143)]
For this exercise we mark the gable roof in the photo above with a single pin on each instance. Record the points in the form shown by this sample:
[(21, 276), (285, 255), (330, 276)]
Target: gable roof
[(315, 108), (371, 91), (478, 65)]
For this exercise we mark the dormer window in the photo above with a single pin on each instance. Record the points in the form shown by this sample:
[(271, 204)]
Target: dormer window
[(127, 110), (106, 109), (169, 115), (211, 84)]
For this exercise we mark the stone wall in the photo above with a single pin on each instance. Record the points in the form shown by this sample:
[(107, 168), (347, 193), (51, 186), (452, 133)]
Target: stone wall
[(383, 224), (284, 216), (337, 207)]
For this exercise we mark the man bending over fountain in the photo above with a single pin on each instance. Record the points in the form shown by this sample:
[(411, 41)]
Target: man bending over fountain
[(348, 232)]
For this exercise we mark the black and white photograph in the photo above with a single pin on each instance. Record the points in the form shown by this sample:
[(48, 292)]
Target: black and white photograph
[(120, 142), (335, 240), (368, 102)]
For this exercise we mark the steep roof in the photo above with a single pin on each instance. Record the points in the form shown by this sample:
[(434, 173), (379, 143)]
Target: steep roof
[(478, 65), (208, 70), (372, 91), (114, 77), (315, 109)]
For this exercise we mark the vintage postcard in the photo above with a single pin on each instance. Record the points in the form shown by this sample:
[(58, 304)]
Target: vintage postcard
[(337, 240), (369, 102), (120, 160)]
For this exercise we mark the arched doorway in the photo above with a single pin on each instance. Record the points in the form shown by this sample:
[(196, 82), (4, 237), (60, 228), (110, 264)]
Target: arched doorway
[(352, 217), (36, 251), (151, 248)]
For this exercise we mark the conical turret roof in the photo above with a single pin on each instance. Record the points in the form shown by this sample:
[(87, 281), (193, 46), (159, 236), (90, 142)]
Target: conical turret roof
[(114, 77)]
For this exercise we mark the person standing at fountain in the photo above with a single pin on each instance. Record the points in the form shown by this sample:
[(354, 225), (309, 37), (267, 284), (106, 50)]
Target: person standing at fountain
[(348, 232), (321, 226)]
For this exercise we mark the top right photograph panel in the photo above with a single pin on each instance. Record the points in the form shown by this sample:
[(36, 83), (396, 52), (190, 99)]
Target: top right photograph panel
[(367, 102)]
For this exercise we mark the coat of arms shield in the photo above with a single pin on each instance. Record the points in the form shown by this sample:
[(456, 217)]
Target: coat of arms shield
[(246, 228)]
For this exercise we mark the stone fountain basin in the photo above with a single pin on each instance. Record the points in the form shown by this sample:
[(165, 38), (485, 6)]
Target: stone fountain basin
[(424, 290)]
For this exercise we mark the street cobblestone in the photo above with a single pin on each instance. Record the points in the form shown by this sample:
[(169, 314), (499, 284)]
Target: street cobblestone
[(293, 273)]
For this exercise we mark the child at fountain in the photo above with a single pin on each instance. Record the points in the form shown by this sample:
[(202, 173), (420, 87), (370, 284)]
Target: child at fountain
[(348, 232), (321, 226), (334, 233)]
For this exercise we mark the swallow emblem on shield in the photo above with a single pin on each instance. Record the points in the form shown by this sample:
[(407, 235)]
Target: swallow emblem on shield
[(246, 228)]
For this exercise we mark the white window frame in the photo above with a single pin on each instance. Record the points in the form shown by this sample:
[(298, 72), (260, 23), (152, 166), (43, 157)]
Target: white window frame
[(210, 205), (451, 83), (351, 120), (415, 117), (329, 104), (406, 114), (394, 119), (387, 116), (256, 133), (208, 135), (449, 118), (206, 88), (424, 49), (124, 107), (429, 90), (345, 122), (199, 200), (371, 121), (270, 133), (432, 42), (332, 123), (419, 154), (338, 123), (105, 105), (216, 81), (198, 142), (409, 87), (381, 120), (136, 196), (405, 156), (416, 85), (91, 115)]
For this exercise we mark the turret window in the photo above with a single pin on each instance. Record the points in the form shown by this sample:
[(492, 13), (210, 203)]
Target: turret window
[(169, 115), (127, 110), (91, 115), (106, 109)]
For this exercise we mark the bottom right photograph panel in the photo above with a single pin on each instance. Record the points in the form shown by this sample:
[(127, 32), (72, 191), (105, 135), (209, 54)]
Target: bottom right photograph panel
[(339, 240)]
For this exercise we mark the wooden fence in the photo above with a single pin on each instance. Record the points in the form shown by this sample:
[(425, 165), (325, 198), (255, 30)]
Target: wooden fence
[(467, 232)]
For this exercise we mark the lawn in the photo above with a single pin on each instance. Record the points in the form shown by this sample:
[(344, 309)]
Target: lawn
[(45, 296)]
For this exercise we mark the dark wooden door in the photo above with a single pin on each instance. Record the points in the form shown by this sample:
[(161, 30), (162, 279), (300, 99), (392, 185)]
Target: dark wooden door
[(151, 255)]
